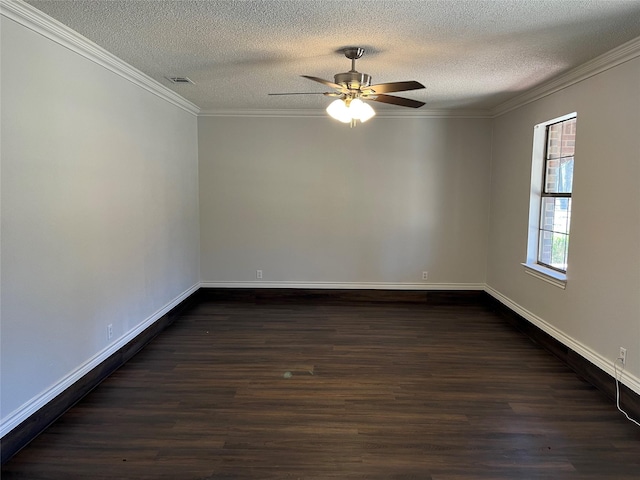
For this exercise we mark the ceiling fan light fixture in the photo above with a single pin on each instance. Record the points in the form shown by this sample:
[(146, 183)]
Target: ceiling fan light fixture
[(357, 110)]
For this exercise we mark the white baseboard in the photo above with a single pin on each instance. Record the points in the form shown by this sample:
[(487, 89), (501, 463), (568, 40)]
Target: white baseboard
[(592, 356), (23, 412), (347, 285)]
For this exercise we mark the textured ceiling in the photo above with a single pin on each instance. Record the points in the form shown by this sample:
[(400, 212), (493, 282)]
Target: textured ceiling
[(469, 54)]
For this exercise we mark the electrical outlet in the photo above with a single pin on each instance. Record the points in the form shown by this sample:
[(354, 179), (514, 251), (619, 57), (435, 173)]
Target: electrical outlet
[(110, 331), (259, 274), (622, 356), (425, 275)]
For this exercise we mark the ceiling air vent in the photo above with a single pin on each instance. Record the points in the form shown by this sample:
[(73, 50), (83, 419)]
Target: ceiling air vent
[(180, 80)]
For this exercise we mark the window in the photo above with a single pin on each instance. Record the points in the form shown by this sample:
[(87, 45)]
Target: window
[(550, 204)]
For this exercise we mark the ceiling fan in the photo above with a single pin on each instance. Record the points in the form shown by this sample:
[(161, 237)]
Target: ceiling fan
[(352, 87)]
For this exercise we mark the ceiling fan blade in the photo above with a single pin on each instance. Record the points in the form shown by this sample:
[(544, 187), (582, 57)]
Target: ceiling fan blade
[(326, 94), (393, 87), (302, 93), (403, 102), (324, 82)]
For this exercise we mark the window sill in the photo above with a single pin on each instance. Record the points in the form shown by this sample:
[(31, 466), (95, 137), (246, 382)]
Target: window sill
[(548, 275)]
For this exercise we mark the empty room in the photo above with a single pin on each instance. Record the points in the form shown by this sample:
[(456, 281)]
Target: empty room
[(315, 240)]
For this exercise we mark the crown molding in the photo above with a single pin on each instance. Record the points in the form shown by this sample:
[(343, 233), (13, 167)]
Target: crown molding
[(617, 56), (262, 113), (425, 113), (37, 21)]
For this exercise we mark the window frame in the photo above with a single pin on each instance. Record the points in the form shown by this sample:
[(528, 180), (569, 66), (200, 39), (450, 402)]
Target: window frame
[(532, 264)]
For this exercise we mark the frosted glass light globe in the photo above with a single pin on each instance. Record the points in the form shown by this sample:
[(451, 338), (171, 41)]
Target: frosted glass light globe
[(339, 110)]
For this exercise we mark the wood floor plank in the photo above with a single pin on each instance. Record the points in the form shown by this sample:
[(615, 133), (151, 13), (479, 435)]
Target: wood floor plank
[(259, 388)]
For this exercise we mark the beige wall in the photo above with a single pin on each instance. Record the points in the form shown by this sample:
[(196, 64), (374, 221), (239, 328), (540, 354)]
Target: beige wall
[(310, 200), (99, 212), (600, 309)]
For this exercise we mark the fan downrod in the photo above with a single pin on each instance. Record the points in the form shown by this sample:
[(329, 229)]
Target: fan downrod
[(353, 80)]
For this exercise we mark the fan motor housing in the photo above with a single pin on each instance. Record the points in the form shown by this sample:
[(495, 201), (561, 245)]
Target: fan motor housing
[(353, 80)]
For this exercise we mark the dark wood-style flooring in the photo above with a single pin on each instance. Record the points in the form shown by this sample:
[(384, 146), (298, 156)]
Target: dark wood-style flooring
[(376, 391)]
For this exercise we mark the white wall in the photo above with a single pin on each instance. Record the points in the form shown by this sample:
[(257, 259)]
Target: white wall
[(99, 211), (600, 309), (310, 200)]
